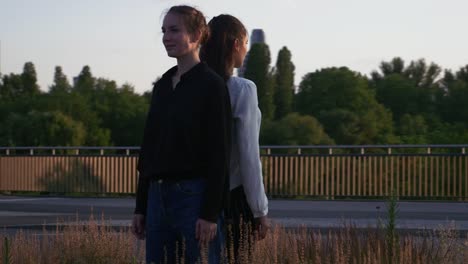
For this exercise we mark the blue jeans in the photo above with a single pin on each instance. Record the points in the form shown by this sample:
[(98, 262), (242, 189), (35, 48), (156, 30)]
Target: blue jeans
[(172, 212)]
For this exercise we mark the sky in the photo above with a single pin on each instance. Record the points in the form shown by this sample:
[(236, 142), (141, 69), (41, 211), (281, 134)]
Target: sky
[(121, 39)]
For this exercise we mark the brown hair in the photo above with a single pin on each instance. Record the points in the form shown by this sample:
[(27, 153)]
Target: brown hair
[(218, 51), (193, 19)]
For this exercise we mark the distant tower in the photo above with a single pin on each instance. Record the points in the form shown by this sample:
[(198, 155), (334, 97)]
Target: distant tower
[(258, 36)]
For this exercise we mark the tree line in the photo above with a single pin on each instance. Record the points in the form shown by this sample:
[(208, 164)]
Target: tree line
[(90, 112), (401, 103)]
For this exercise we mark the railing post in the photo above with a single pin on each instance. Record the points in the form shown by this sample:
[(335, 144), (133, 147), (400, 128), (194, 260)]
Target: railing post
[(53, 152), (268, 151), (7, 152), (330, 151), (101, 152), (299, 152), (428, 150), (31, 152), (362, 151), (389, 151), (127, 152), (77, 152), (463, 150)]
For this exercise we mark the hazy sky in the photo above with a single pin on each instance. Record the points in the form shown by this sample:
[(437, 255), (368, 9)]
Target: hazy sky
[(121, 39)]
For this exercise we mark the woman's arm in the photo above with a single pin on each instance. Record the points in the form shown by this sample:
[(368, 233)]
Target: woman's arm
[(217, 135), (142, 195), (247, 130), (138, 222)]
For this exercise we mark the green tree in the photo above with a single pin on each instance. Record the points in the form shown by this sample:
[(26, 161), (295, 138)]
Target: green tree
[(294, 129), (131, 129), (83, 94), (398, 93), (29, 80), (85, 82), (395, 66), (14, 97), (447, 133), (411, 89), (426, 108), (61, 84), (343, 102), (147, 95), (258, 70), (284, 85), (79, 107), (11, 88), (121, 111), (343, 125), (49, 129), (61, 130), (413, 129), (453, 104), (423, 75), (425, 78)]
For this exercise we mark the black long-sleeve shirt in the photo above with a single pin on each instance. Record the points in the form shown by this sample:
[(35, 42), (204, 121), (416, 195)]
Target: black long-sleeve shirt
[(187, 136)]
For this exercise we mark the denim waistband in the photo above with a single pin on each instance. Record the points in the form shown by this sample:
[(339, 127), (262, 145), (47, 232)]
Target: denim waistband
[(176, 177), (174, 181)]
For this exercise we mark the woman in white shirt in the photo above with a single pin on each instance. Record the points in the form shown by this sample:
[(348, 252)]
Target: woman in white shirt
[(224, 51)]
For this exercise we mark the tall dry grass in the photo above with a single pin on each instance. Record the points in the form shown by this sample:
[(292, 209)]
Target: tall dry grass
[(95, 242), (352, 245), (90, 242)]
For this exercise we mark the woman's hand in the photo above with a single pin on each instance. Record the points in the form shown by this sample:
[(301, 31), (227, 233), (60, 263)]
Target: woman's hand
[(205, 231), (263, 225), (138, 226)]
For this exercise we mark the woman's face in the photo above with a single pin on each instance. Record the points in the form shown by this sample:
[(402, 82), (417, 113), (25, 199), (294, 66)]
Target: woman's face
[(240, 47), (176, 39)]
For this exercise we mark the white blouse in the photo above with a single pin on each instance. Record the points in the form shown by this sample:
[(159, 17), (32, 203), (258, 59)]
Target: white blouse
[(246, 167)]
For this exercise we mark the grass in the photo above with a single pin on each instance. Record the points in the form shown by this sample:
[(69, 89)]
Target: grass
[(87, 243), (391, 235), (94, 243)]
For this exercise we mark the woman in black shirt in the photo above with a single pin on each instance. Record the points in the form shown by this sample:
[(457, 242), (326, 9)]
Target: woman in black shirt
[(183, 159)]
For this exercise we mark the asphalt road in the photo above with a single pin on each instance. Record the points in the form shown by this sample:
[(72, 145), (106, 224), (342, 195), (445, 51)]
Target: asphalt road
[(35, 212)]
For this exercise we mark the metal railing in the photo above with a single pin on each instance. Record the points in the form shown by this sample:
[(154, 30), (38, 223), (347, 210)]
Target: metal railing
[(327, 172)]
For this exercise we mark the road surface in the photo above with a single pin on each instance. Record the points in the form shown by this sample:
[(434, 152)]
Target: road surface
[(33, 213)]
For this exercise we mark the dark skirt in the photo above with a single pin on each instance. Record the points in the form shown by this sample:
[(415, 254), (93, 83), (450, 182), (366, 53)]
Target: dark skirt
[(241, 224)]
